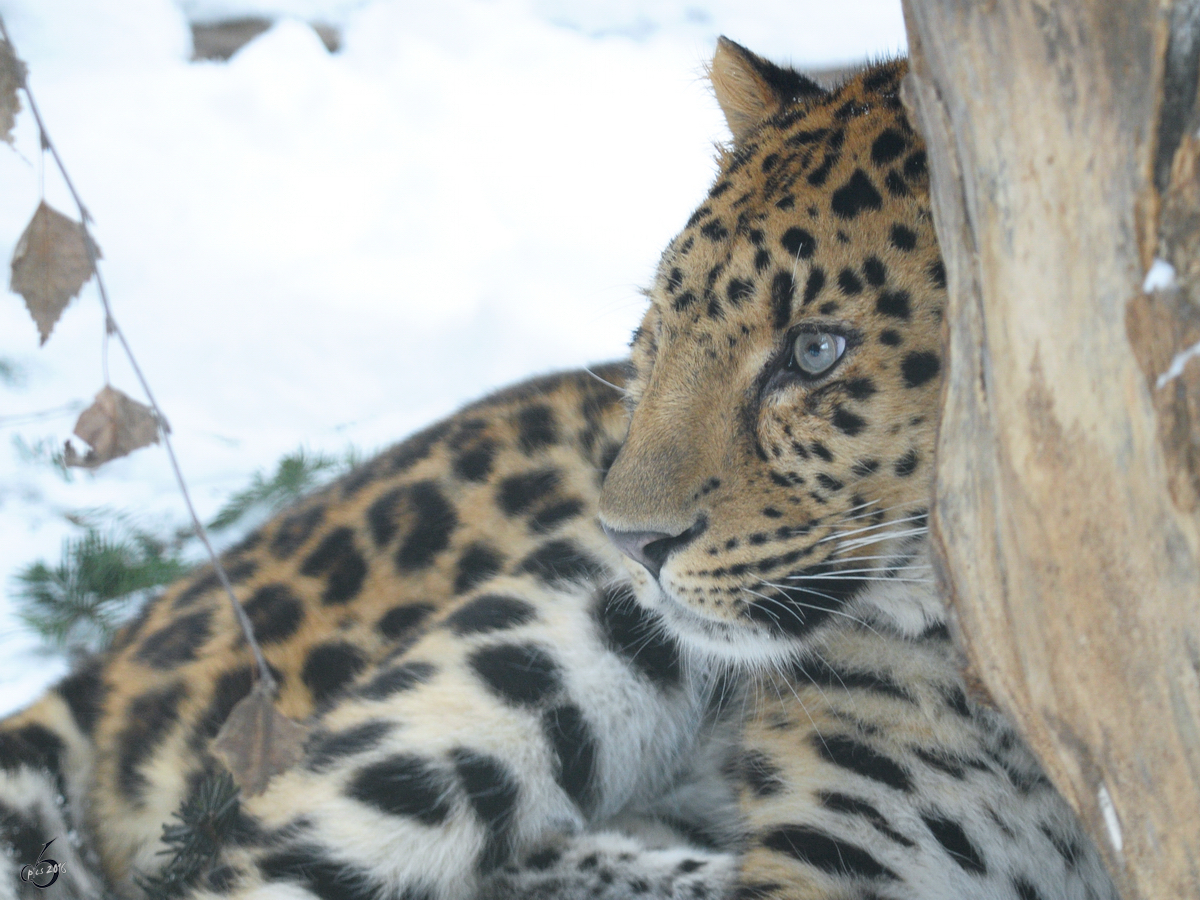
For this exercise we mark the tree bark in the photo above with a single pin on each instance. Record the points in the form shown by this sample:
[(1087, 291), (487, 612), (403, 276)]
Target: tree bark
[(1064, 160)]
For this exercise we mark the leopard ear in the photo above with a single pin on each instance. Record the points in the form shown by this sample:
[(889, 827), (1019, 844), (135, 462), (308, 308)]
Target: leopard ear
[(749, 88)]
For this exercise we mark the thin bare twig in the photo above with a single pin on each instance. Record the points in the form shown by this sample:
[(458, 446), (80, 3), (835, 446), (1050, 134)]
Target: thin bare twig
[(164, 428), (25, 418)]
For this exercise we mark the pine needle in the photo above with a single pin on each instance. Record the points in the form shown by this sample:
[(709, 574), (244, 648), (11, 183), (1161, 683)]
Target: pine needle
[(208, 818)]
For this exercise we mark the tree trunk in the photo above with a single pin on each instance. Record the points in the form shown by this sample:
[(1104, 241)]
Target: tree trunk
[(1067, 514)]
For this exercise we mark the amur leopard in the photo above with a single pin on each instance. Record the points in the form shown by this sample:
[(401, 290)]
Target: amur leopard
[(663, 628)]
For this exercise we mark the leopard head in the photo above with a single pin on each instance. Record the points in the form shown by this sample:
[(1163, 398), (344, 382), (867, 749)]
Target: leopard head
[(786, 375)]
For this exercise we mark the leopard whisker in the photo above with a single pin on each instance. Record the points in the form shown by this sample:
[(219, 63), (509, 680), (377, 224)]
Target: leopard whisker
[(874, 512), (868, 540), (794, 613), (860, 506), (887, 579), (886, 556), (860, 575), (832, 669), (620, 390), (841, 573), (811, 721), (875, 527), (837, 612), (782, 676), (791, 588)]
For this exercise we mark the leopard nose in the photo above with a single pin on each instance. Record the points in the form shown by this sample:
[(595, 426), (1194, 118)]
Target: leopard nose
[(651, 548)]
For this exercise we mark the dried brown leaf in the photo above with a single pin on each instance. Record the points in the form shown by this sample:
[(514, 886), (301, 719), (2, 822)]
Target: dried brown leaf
[(50, 265), (114, 425), (257, 741), (12, 76)]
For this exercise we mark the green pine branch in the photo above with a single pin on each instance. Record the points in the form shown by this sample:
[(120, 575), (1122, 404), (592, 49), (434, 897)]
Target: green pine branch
[(295, 475), (102, 578), (11, 373), (207, 819), (45, 451), (106, 573)]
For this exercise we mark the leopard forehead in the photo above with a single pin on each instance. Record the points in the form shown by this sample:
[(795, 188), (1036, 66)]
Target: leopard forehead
[(821, 211), (818, 222)]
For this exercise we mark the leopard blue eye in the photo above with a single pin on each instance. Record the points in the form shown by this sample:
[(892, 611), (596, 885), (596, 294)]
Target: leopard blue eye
[(816, 352)]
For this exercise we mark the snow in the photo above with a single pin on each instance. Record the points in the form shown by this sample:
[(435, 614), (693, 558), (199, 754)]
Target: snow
[(1178, 362), (319, 250), (1111, 823), (1159, 277)]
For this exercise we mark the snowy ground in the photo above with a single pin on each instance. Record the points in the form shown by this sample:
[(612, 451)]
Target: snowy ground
[(323, 250)]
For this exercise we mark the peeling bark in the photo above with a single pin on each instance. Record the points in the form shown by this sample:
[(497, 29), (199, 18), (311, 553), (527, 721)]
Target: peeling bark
[(1067, 513)]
